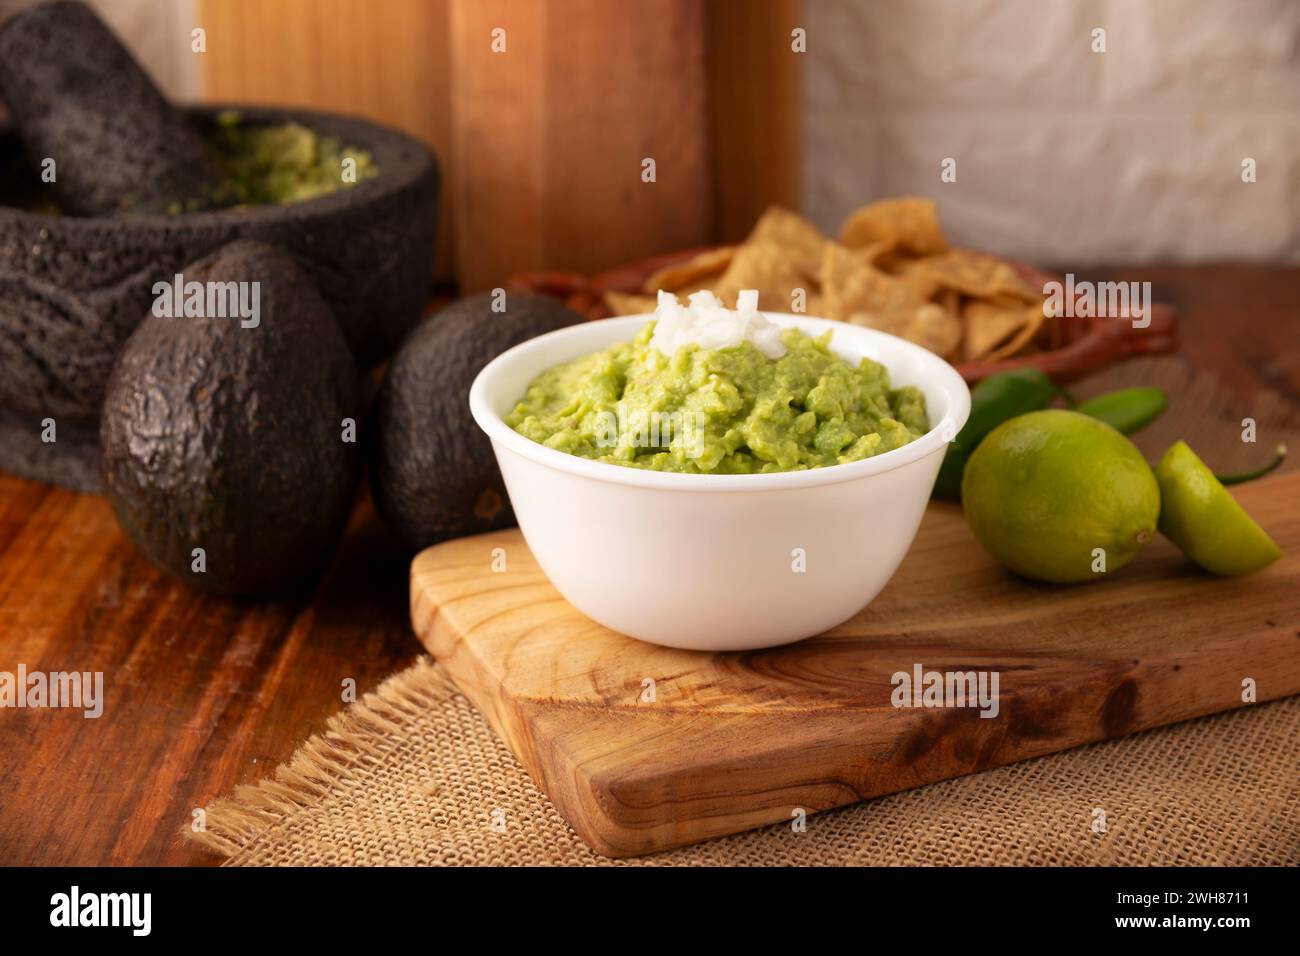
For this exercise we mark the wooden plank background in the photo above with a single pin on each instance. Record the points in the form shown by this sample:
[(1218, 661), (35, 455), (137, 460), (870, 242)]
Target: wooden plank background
[(541, 146), (550, 136), (755, 86)]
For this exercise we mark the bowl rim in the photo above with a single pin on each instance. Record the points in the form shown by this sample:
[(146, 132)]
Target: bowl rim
[(943, 374)]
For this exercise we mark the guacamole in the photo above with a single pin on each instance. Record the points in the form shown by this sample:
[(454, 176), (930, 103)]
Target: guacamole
[(720, 411), (283, 163)]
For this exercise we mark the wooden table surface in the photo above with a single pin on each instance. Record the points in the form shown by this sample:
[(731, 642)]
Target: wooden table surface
[(203, 693)]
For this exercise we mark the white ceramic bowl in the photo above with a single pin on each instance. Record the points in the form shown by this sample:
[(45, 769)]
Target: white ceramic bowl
[(707, 562)]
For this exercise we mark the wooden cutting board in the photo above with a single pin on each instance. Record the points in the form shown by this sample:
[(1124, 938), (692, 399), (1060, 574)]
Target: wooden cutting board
[(644, 748)]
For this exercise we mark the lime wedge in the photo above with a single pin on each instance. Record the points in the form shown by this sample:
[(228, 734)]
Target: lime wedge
[(1199, 515)]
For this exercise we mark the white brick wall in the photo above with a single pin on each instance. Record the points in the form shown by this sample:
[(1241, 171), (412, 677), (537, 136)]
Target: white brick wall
[(1064, 156)]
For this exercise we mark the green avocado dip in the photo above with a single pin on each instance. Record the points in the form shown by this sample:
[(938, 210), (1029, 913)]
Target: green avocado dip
[(284, 163), (720, 411)]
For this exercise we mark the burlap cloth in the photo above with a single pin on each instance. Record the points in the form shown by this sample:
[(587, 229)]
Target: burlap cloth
[(411, 774)]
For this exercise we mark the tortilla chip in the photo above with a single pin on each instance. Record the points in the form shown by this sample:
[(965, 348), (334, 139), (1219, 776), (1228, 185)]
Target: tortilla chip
[(678, 276), (768, 269), (929, 325), (876, 253), (623, 303), (850, 285), (975, 275), (1024, 342), (909, 221), (997, 331), (892, 261), (801, 240), (924, 287)]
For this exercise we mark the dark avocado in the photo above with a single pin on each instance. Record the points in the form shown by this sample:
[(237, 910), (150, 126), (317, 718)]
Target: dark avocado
[(230, 439), (432, 470)]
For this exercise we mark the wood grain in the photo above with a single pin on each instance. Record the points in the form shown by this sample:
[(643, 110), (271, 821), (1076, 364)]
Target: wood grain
[(755, 112), (734, 741), (550, 135), (541, 146), (200, 692), (386, 61)]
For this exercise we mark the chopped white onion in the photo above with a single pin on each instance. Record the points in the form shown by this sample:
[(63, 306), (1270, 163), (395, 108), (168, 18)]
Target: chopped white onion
[(706, 322)]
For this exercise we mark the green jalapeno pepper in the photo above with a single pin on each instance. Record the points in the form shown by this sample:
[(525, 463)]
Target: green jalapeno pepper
[(1129, 409), (1279, 456), (992, 402)]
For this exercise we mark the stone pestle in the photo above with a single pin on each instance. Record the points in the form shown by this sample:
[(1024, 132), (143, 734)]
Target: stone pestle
[(78, 98)]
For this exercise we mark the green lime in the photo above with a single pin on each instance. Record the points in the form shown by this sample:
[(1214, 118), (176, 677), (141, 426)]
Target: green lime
[(1059, 496), (1199, 515)]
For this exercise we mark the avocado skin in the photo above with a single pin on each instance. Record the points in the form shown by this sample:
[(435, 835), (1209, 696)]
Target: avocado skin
[(432, 469), (229, 439)]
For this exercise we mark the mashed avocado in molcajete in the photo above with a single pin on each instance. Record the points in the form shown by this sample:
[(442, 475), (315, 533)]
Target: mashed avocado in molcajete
[(283, 163), (731, 410)]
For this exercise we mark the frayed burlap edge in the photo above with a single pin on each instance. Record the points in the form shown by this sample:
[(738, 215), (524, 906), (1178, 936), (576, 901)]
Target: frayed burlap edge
[(352, 738)]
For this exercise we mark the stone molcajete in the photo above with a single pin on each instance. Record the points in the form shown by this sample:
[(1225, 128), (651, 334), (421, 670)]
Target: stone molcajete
[(73, 288)]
